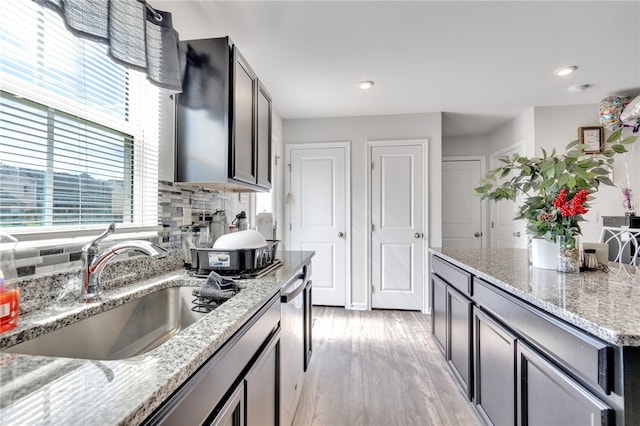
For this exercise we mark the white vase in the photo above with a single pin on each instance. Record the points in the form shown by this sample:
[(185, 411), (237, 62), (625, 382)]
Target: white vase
[(543, 254)]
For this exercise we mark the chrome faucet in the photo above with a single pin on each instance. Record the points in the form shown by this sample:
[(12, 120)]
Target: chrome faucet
[(93, 262)]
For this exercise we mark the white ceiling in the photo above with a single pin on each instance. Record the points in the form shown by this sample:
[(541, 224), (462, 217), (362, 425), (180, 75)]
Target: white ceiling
[(481, 63)]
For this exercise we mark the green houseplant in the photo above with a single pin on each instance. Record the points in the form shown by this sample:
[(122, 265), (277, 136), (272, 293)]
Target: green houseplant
[(554, 189)]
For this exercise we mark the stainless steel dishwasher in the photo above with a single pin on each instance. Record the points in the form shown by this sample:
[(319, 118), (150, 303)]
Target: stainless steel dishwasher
[(292, 343)]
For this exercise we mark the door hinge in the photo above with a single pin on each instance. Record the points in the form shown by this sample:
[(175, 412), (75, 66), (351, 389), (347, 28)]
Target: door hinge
[(373, 227), (373, 288), (289, 165), (290, 228), (373, 165), (276, 158), (492, 226)]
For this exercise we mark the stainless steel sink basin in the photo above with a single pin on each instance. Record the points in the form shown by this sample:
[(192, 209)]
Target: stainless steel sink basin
[(122, 332)]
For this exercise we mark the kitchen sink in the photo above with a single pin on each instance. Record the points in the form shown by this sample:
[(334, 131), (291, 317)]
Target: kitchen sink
[(128, 330)]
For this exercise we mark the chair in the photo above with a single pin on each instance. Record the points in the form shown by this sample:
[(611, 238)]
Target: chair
[(624, 248)]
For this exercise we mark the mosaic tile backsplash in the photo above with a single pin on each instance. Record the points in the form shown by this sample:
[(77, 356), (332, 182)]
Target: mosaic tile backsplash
[(55, 268)]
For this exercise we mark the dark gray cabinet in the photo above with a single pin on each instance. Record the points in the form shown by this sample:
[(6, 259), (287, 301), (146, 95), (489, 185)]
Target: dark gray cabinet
[(547, 396), (494, 359), (459, 338), (262, 387), (263, 137), (439, 312), (232, 413), (243, 150), (222, 120), (451, 319)]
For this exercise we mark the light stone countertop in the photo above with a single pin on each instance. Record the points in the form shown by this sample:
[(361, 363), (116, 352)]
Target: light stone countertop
[(607, 305), (49, 390)]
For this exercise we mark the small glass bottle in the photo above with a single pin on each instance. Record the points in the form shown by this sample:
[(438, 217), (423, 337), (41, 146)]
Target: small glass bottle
[(9, 292)]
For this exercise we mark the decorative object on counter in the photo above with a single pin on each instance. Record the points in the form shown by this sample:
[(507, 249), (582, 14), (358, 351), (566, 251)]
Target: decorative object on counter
[(555, 187), (590, 260), (9, 292), (139, 36), (543, 253), (629, 209), (568, 253)]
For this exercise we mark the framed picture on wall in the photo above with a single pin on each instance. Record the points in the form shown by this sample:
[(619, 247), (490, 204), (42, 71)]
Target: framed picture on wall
[(593, 138)]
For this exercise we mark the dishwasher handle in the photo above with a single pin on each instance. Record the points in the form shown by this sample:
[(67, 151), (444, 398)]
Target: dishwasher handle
[(288, 297)]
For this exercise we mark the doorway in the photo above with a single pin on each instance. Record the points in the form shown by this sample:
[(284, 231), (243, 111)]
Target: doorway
[(506, 232), (463, 212), (318, 215), (397, 223)]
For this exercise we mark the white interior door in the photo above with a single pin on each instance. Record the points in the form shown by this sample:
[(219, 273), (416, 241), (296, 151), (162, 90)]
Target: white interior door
[(318, 216), (506, 232), (461, 207), (397, 233)]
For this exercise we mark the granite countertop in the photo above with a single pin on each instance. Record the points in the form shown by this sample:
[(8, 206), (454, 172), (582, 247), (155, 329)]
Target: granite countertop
[(49, 390), (603, 304)]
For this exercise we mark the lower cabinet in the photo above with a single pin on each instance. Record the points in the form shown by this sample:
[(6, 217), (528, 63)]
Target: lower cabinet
[(238, 385), (232, 413), (439, 312), (262, 387), (459, 338), (495, 380), (548, 396)]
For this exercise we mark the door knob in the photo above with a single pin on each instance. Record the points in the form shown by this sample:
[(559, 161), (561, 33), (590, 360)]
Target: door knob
[(516, 234), (340, 234), (417, 235), (477, 234)]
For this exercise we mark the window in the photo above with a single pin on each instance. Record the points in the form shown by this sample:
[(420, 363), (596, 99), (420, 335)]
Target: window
[(78, 132)]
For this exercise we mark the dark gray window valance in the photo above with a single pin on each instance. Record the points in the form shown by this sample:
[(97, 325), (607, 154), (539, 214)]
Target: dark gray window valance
[(138, 35)]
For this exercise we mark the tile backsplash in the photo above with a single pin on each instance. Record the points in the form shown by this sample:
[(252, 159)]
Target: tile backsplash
[(177, 205)]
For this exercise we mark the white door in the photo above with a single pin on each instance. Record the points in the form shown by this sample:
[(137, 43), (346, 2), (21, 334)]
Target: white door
[(506, 232), (397, 232), (461, 206), (318, 209)]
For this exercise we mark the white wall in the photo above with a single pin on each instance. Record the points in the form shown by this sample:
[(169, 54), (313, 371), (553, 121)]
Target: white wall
[(455, 146), (359, 130), (520, 129)]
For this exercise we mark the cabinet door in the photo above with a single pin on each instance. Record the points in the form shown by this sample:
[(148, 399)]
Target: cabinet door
[(232, 413), (494, 353), (263, 147), (262, 384), (459, 337), (439, 315), (547, 396), (243, 153)]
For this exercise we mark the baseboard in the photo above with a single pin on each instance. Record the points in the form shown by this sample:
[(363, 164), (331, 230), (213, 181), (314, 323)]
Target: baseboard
[(358, 307)]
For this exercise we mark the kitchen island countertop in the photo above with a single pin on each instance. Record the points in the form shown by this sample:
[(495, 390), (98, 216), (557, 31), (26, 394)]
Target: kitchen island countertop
[(605, 304), (49, 390)]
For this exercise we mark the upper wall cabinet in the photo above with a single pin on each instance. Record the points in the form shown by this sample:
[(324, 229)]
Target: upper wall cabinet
[(223, 120)]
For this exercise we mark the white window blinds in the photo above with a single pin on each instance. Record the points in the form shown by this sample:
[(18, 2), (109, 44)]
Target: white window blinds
[(78, 133)]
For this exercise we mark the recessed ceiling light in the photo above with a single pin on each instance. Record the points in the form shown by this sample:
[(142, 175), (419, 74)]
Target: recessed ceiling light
[(366, 84), (578, 88), (561, 72)]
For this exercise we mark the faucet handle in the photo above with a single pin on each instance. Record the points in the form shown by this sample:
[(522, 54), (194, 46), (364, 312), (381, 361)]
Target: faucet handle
[(110, 230)]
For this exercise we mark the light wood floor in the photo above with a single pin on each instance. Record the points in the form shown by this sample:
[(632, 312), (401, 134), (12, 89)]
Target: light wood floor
[(378, 368)]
